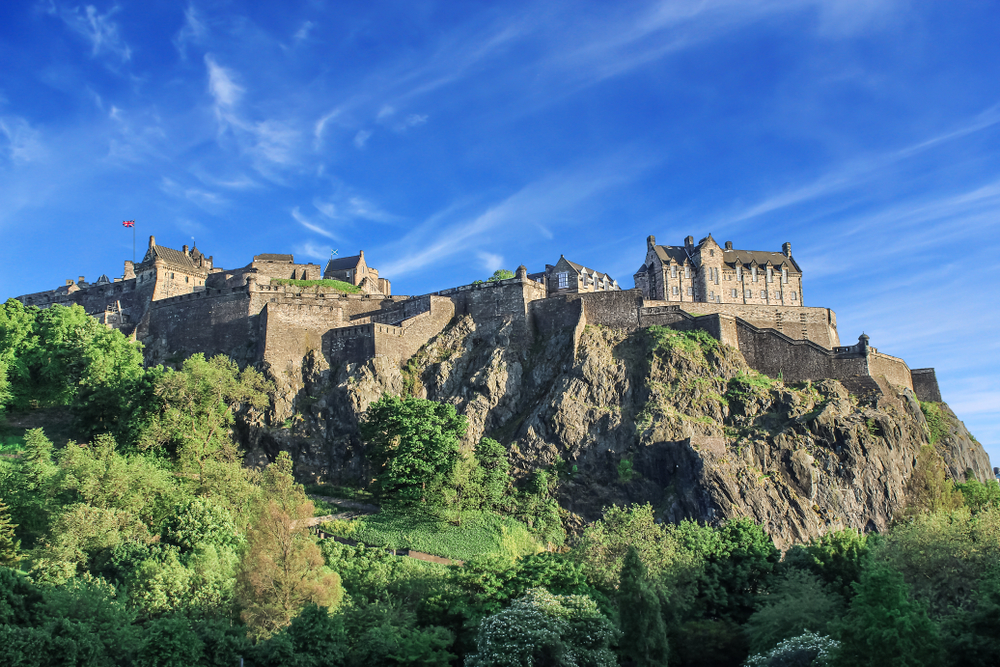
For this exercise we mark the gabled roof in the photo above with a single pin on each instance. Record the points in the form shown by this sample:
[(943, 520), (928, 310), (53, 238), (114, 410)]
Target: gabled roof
[(343, 263), (267, 257), (174, 258), (103, 280), (671, 252), (580, 268), (762, 257)]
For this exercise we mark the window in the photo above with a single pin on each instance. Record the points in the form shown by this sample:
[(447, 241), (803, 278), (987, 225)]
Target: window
[(171, 276), (711, 296), (770, 275), (747, 293), (739, 273), (673, 271), (777, 295), (711, 253), (675, 290), (734, 294), (795, 295), (763, 294), (687, 271), (690, 291), (185, 278), (754, 269), (563, 279), (784, 275)]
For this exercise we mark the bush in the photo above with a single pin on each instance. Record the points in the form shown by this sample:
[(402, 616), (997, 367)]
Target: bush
[(807, 650)]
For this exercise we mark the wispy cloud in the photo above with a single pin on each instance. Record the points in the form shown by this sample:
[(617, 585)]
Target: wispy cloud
[(96, 28), (312, 226), (312, 250), (19, 141), (193, 31), (361, 138), (303, 32), (490, 261), (205, 199)]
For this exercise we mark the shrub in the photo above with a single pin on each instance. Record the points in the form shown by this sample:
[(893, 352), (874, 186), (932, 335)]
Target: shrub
[(807, 650)]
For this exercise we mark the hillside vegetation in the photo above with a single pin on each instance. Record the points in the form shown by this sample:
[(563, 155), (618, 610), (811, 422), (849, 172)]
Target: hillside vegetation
[(148, 542)]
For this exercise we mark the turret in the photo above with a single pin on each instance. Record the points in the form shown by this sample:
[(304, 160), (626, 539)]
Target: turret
[(522, 273)]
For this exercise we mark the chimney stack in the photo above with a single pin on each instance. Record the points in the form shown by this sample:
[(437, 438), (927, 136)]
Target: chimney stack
[(81, 281), (786, 248), (650, 241), (689, 243), (729, 245), (152, 241), (185, 248)]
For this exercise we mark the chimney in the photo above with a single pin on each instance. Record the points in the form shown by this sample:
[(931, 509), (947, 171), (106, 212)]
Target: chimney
[(689, 243), (729, 245), (185, 248), (361, 253), (69, 282), (81, 281), (786, 248), (650, 241), (152, 241)]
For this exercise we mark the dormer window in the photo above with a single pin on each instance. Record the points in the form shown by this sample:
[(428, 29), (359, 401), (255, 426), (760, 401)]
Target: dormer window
[(770, 276), (673, 270), (739, 273), (687, 271)]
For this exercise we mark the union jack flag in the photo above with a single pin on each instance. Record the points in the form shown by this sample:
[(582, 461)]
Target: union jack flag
[(128, 223)]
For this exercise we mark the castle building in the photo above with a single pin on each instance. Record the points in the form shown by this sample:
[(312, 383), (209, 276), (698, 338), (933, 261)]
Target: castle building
[(709, 273), (566, 277), (355, 271)]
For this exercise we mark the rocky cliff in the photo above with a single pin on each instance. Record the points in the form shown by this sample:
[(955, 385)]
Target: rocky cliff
[(675, 419)]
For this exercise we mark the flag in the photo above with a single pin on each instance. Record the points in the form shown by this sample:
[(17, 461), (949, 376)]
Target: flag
[(128, 223)]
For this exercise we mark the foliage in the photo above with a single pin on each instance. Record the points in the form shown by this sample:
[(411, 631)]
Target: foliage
[(836, 557), (978, 496), (737, 559), (625, 471), (546, 629), (388, 644), (282, 569), (197, 410), (644, 634), (937, 422), (370, 574), (884, 627), (339, 285), (10, 546), (929, 489), (972, 632), (413, 446), (797, 603), (809, 649), (500, 274)]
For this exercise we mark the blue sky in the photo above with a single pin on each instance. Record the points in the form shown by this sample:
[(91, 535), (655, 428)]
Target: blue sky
[(448, 139)]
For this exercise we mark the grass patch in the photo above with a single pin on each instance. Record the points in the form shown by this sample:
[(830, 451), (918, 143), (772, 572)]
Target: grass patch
[(749, 384), (324, 507), (937, 422), (345, 492), (692, 343), (336, 284), (480, 534)]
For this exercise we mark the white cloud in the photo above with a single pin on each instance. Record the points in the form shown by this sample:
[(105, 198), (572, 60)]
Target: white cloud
[(98, 29), (385, 112), (221, 85), (361, 138), (303, 32), (193, 31), (490, 261), (312, 251), (19, 140), (321, 125), (312, 226)]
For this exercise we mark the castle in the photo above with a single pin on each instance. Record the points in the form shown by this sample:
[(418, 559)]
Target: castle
[(272, 314)]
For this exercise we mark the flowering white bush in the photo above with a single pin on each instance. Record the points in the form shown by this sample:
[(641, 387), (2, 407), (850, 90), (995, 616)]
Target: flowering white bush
[(806, 650), (542, 628)]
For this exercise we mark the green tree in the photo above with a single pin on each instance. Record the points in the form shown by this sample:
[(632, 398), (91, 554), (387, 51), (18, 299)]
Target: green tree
[(885, 628), (797, 603), (929, 488), (10, 546), (806, 650), (838, 558), (197, 410), (491, 476), (644, 634), (546, 629), (413, 446), (979, 496), (500, 274)]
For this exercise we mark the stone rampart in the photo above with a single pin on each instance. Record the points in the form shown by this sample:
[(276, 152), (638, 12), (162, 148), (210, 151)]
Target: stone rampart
[(797, 322), (925, 384), (775, 354), (289, 331), (211, 321), (360, 342), (892, 369)]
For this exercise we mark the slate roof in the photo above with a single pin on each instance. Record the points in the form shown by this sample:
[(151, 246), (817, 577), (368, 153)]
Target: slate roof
[(268, 257), (343, 263), (762, 257), (174, 258), (581, 268), (671, 252)]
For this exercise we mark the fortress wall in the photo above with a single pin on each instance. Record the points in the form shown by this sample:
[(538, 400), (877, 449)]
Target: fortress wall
[(352, 305), (403, 342), (925, 384), (798, 322), (775, 354), (553, 316), (290, 331), (396, 312), (506, 299), (893, 369), (350, 345), (611, 309), (211, 321)]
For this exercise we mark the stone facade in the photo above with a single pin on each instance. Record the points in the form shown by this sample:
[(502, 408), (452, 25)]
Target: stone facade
[(708, 273), (178, 303)]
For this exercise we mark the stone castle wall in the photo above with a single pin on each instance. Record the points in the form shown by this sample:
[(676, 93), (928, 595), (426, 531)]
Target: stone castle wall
[(211, 321), (925, 384)]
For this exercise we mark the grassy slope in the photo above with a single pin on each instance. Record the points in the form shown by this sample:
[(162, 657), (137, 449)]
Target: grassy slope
[(336, 284), (479, 534)]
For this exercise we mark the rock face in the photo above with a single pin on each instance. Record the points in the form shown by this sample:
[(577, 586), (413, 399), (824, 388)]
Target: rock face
[(674, 419)]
